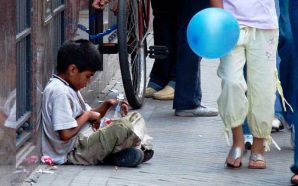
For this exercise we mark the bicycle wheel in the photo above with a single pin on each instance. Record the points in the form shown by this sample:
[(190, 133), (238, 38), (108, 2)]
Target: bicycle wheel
[(132, 50)]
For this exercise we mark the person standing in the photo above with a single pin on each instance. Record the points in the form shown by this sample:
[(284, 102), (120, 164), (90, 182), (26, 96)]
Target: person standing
[(284, 59), (256, 47)]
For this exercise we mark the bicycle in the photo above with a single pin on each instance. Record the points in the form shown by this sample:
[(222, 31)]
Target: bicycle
[(131, 30), (132, 43)]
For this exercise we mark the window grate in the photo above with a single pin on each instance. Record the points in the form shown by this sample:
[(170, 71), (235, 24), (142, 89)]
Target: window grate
[(23, 64), (58, 24)]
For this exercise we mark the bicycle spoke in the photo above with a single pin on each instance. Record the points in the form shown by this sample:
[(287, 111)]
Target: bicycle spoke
[(133, 50)]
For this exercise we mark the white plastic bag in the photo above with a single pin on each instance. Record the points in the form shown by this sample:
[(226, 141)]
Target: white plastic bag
[(139, 127), (138, 123)]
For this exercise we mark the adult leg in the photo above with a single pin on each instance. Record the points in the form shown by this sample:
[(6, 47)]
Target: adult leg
[(165, 33), (247, 135), (232, 102), (188, 92), (188, 82), (261, 62), (293, 10), (287, 56), (245, 129)]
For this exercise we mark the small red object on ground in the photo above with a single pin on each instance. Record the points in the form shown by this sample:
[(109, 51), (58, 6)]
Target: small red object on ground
[(47, 160)]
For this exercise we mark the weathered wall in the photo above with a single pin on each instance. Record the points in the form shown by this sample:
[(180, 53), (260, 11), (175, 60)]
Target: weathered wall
[(44, 47), (7, 86)]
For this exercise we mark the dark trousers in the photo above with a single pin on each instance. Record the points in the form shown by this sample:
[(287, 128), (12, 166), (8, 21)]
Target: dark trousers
[(171, 18), (165, 28), (188, 92), (292, 75)]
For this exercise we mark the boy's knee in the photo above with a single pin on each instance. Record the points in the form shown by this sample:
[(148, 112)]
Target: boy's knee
[(119, 129)]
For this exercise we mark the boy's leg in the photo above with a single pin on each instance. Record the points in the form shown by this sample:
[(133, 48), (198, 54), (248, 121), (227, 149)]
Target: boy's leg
[(112, 139), (130, 157)]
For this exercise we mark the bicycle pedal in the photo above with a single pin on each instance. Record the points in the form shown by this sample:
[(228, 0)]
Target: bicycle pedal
[(108, 48), (158, 52)]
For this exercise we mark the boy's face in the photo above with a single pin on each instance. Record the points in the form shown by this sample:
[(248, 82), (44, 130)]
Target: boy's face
[(79, 79)]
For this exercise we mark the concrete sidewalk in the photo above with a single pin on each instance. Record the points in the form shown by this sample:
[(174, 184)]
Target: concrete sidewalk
[(188, 151)]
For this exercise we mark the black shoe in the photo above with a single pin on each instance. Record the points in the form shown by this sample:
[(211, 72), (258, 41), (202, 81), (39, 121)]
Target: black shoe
[(148, 153), (130, 157)]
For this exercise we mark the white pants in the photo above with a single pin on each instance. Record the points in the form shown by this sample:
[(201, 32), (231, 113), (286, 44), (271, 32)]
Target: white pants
[(254, 97)]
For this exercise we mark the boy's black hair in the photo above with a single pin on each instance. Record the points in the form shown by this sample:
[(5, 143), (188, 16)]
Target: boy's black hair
[(81, 53)]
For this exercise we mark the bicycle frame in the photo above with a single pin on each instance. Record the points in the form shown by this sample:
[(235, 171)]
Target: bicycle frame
[(133, 18)]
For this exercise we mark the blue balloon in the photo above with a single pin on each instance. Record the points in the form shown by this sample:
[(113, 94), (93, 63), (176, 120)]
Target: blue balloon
[(213, 33)]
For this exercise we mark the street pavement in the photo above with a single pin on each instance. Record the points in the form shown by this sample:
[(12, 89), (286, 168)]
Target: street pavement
[(188, 150)]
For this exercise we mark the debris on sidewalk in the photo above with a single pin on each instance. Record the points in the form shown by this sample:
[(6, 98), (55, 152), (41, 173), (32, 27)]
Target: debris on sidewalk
[(44, 171), (31, 160), (32, 179), (47, 160)]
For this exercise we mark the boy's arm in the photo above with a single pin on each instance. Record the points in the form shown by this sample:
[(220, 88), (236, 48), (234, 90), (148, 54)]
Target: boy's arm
[(216, 3), (67, 134), (104, 107)]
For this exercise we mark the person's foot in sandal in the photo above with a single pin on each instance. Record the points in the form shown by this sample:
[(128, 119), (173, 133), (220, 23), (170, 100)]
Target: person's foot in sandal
[(256, 159), (234, 158), (294, 179)]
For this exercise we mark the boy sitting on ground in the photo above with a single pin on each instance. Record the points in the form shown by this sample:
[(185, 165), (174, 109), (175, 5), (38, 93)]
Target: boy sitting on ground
[(65, 115)]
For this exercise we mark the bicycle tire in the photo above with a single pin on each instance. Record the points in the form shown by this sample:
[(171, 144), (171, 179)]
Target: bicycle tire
[(132, 50)]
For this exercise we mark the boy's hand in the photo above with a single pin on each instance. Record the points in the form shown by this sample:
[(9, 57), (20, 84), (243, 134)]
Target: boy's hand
[(110, 102), (124, 108), (106, 105), (94, 120), (94, 117), (100, 4), (124, 105)]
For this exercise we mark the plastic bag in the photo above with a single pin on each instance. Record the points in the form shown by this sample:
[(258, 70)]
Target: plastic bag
[(139, 127)]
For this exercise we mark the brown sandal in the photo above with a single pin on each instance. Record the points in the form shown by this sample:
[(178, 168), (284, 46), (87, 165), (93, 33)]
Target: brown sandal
[(256, 161)]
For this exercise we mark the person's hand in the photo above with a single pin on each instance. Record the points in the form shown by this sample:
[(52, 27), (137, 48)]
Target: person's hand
[(100, 4), (123, 104), (124, 108), (94, 117), (110, 102)]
